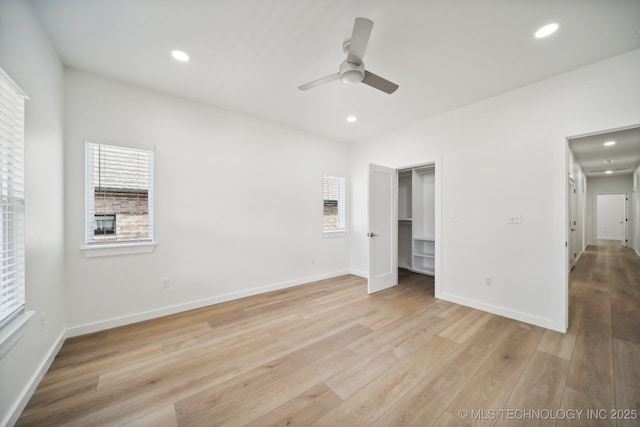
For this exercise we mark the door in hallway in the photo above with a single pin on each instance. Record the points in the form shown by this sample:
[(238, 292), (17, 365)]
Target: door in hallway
[(611, 217), (573, 224)]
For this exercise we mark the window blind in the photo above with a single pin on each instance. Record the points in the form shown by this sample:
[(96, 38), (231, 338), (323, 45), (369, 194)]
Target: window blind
[(12, 112), (334, 203), (119, 194)]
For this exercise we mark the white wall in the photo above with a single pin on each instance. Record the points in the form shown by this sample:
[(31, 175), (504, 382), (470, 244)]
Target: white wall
[(604, 185), (28, 57), (505, 155), (238, 205)]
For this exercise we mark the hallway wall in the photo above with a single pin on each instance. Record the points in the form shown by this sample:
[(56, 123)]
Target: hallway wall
[(604, 185)]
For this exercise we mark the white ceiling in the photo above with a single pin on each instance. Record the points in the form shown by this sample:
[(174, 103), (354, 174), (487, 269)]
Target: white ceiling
[(249, 56), (591, 153)]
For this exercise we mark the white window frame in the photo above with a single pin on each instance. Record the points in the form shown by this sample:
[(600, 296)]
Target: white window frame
[(94, 248), (12, 242), (341, 228)]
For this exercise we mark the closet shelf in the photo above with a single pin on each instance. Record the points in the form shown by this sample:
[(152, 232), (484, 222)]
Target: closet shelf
[(425, 238), (425, 255)]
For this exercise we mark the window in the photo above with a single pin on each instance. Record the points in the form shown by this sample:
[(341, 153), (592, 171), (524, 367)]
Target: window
[(333, 196), (12, 286), (119, 186)]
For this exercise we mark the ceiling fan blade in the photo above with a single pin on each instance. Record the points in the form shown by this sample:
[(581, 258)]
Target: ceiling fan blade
[(359, 40), (379, 83), (319, 82)]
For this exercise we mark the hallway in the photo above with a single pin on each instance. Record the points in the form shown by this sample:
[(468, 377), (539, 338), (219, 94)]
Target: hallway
[(603, 341)]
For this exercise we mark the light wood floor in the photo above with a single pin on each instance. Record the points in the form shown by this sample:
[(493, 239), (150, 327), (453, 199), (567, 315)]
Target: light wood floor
[(329, 354)]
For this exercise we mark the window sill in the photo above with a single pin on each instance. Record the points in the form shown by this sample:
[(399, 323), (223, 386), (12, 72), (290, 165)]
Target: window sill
[(11, 333), (337, 233), (118, 249)]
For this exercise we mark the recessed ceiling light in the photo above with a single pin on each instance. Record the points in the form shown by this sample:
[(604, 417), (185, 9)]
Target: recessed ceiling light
[(547, 30), (180, 55), (610, 143), (352, 119), (608, 161), (608, 172)]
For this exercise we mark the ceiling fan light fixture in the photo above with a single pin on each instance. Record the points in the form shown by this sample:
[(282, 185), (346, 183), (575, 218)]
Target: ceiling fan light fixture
[(351, 77), (547, 30), (351, 73)]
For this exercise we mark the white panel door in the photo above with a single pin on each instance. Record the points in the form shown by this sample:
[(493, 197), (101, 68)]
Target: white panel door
[(610, 217), (383, 228)]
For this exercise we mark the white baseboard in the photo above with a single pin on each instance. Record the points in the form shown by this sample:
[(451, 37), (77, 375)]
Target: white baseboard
[(501, 311), (178, 308), (20, 403), (359, 273)]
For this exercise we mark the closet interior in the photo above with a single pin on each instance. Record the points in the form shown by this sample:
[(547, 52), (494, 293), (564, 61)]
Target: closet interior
[(416, 219)]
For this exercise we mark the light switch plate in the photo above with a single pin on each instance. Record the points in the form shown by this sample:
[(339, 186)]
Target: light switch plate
[(515, 218)]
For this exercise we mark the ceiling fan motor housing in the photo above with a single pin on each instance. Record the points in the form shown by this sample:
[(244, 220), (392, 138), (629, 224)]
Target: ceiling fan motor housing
[(351, 73)]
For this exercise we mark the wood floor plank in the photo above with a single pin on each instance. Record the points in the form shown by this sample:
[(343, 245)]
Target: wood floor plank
[(298, 335), (163, 417), (202, 404), (228, 335), (591, 417), (359, 374), (406, 343), (424, 404), (302, 410), (66, 389), (491, 385), (541, 386), (449, 420), (388, 334), (127, 401), (271, 396), (172, 360), (96, 361), (626, 359), (461, 330), (625, 319), (370, 402), (591, 369)]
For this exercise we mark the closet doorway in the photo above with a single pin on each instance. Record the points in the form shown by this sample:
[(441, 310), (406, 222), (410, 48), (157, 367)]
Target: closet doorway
[(404, 223), (416, 219)]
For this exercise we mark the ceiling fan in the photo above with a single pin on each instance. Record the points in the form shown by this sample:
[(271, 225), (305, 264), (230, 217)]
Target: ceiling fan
[(352, 69)]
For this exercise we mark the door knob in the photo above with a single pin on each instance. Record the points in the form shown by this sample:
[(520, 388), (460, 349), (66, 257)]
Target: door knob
[(371, 235)]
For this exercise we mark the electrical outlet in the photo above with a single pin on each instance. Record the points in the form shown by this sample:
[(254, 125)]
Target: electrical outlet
[(43, 321), (488, 281), (165, 282), (313, 260)]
